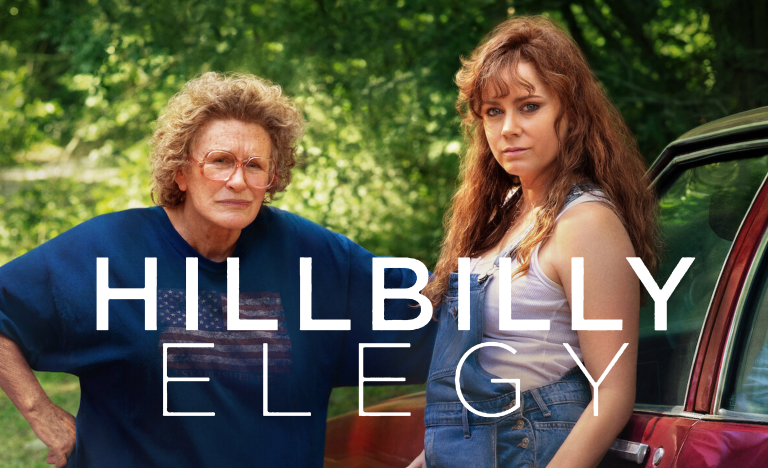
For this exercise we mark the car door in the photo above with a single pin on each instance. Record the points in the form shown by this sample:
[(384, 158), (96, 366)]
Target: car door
[(734, 429), (705, 197)]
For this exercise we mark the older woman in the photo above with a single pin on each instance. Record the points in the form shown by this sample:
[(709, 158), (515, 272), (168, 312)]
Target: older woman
[(224, 147)]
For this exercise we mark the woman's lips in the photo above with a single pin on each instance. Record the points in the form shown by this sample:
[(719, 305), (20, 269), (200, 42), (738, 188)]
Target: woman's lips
[(509, 151), (235, 202)]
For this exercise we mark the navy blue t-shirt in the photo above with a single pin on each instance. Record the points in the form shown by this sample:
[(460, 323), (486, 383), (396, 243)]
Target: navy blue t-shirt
[(48, 307)]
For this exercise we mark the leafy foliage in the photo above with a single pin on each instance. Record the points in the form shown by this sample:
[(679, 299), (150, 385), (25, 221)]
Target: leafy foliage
[(82, 81)]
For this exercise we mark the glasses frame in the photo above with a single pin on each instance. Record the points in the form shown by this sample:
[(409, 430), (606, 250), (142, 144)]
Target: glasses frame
[(238, 165)]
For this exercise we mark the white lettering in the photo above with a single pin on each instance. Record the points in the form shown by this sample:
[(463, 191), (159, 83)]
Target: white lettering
[(305, 303), (577, 302), (380, 293), (506, 322), (660, 296), (167, 379), (104, 293), (363, 379), (516, 382), (191, 293), (589, 377), (265, 375), (234, 322), (464, 305)]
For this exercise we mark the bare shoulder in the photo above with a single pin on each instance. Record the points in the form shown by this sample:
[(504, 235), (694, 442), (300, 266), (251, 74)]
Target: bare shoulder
[(591, 228), (592, 231)]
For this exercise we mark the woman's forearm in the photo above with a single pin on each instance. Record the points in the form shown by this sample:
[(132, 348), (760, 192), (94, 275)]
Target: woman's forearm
[(592, 435), (19, 382), (55, 427)]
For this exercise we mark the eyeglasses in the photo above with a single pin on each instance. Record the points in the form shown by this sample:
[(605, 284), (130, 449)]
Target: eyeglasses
[(220, 166)]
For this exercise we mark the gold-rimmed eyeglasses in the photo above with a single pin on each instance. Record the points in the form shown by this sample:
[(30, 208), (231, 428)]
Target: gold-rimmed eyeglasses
[(220, 166)]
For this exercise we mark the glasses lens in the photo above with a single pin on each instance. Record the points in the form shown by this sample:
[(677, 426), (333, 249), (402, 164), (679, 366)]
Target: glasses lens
[(259, 172), (220, 165)]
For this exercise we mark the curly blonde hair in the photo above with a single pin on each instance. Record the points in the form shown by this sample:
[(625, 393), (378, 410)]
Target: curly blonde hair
[(217, 96)]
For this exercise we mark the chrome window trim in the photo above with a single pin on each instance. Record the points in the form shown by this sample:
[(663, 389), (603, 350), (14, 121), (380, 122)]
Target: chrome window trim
[(711, 135), (746, 291), (661, 409), (674, 411), (724, 415), (706, 154)]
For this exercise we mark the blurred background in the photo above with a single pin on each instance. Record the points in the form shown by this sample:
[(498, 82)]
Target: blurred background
[(81, 83)]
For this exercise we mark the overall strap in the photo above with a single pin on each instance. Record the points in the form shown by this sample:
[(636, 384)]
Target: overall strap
[(577, 190)]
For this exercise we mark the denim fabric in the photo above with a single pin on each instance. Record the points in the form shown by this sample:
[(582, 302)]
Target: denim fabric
[(455, 437), (528, 437)]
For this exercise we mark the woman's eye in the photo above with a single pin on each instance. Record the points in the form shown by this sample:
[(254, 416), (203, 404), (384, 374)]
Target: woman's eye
[(254, 165), (530, 107), (492, 112)]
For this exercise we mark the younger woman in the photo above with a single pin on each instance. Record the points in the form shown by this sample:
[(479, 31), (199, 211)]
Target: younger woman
[(551, 174)]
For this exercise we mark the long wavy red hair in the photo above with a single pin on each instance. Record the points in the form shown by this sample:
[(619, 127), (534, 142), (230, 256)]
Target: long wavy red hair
[(598, 148)]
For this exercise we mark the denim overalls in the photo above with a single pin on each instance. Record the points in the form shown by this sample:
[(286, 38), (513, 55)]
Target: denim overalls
[(456, 437)]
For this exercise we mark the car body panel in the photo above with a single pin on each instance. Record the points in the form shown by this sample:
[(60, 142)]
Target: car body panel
[(354, 441), (716, 444), (657, 431), (727, 126)]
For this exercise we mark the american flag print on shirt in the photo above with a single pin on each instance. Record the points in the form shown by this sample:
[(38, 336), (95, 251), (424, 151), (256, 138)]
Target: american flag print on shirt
[(235, 354)]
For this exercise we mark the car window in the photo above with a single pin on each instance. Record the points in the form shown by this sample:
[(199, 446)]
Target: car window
[(747, 388), (701, 209)]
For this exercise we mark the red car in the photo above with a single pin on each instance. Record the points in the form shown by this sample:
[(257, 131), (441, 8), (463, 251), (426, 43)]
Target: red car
[(702, 392)]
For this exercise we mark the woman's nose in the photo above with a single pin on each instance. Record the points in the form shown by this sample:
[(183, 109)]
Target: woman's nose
[(237, 180), (512, 125)]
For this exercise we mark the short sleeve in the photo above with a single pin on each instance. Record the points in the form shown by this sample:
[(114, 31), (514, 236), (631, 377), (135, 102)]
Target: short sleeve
[(28, 313), (412, 362)]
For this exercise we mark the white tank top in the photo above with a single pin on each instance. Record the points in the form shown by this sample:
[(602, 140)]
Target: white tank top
[(541, 357)]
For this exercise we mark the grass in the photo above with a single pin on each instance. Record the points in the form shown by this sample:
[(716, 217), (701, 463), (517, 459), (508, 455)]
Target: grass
[(20, 447)]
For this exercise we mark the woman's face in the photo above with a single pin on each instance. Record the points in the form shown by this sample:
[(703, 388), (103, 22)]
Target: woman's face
[(232, 204), (520, 127)]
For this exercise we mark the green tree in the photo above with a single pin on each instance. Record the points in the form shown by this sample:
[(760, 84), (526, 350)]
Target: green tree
[(82, 81)]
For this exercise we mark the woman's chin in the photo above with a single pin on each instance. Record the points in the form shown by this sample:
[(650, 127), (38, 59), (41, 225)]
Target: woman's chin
[(235, 221)]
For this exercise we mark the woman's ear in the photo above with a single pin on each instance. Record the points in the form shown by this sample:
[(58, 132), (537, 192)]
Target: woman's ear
[(181, 180)]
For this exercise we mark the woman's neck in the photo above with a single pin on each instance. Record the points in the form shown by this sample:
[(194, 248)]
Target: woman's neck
[(532, 198), (528, 207), (209, 240)]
